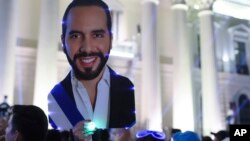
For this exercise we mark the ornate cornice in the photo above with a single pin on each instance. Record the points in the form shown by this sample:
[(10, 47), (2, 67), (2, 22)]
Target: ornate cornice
[(206, 5), (206, 8)]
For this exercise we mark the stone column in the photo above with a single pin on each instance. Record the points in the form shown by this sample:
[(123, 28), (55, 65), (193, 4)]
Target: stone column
[(212, 117), (46, 63), (183, 110), (151, 97), (7, 49)]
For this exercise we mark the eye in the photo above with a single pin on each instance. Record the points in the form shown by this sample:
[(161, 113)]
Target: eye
[(74, 36), (98, 35)]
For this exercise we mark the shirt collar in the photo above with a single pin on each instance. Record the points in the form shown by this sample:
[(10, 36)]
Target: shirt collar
[(106, 76)]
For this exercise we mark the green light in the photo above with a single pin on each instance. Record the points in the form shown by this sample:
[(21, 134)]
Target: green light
[(90, 127)]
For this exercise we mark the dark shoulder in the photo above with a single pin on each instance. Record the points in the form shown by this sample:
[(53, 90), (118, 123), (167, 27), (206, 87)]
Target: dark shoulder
[(119, 79), (65, 84)]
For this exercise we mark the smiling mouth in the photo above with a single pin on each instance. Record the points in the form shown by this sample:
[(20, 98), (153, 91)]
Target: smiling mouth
[(87, 61)]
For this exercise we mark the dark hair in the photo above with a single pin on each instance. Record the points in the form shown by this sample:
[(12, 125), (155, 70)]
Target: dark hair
[(56, 135), (221, 135), (30, 121), (77, 3), (53, 135), (206, 138)]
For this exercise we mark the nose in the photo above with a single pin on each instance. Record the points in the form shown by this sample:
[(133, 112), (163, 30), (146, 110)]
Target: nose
[(86, 45)]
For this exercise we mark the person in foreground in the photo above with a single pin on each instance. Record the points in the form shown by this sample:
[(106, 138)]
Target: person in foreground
[(186, 136), (92, 95), (26, 123)]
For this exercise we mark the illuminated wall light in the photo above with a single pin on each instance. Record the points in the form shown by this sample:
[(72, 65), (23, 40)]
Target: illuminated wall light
[(225, 58), (196, 6), (236, 52)]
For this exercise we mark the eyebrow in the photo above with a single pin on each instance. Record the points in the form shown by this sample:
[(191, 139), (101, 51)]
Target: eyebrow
[(74, 32), (99, 31), (79, 32)]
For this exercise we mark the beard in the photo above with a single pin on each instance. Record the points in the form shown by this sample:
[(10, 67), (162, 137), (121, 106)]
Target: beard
[(89, 74)]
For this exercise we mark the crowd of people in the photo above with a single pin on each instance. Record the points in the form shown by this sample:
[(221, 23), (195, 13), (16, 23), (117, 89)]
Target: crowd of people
[(29, 123)]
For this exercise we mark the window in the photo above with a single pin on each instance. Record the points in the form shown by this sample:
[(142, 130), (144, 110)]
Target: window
[(240, 57), (239, 49)]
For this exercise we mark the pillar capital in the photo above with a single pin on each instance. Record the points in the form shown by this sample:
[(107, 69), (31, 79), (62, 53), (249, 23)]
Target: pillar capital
[(206, 5), (179, 6), (206, 8), (151, 1), (205, 13)]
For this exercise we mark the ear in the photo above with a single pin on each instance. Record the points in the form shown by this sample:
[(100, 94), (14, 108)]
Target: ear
[(63, 44)]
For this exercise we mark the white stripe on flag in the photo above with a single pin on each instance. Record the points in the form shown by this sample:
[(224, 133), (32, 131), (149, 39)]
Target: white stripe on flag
[(57, 114)]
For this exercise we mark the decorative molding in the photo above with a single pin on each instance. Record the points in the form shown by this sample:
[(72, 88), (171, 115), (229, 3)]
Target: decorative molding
[(166, 60), (24, 42), (231, 8), (239, 33)]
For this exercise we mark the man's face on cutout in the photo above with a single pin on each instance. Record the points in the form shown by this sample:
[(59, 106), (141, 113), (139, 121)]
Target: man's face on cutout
[(87, 41)]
